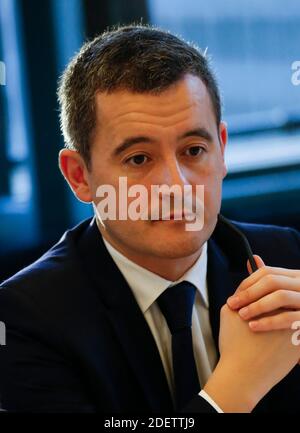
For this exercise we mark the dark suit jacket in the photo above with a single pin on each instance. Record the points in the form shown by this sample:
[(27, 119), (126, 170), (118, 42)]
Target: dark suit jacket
[(77, 340)]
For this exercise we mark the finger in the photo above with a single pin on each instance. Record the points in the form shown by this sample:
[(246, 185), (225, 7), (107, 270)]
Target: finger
[(273, 301), (265, 270), (267, 284), (272, 323), (259, 263)]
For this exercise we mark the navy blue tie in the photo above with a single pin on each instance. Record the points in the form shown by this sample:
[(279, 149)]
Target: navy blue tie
[(176, 304)]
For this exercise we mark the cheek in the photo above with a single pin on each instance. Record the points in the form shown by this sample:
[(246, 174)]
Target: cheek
[(213, 192), (103, 179)]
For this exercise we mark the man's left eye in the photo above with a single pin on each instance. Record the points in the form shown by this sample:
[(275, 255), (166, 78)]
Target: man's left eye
[(194, 150)]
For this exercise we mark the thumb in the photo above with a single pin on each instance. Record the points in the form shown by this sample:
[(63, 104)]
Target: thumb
[(259, 262)]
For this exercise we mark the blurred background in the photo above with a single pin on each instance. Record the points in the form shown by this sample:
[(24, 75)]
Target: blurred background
[(253, 45)]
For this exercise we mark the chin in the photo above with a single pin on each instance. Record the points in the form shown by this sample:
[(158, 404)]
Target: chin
[(175, 248)]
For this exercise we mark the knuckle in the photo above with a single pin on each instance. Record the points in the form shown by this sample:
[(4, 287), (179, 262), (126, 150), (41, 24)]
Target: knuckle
[(281, 296), (269, 280), (265, 270), (246, 295)]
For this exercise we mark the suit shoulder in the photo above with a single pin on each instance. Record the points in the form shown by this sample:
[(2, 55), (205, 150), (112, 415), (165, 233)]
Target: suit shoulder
[(53, 296), (268, 230), (55, 266), (278, 246)]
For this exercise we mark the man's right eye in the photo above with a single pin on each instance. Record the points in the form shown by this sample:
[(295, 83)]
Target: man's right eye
[(137, 160)]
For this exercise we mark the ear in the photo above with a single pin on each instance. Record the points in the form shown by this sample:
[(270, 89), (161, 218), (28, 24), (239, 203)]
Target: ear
[(223, 135), (75, 172)]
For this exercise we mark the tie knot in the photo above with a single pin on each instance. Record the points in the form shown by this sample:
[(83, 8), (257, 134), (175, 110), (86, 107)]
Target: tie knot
[(176, 304)]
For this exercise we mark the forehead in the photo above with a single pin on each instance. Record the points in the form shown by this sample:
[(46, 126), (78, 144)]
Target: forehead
[(186, 100)]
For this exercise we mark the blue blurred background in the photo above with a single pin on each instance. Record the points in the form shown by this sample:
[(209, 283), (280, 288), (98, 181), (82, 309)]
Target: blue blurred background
[(253, 46)]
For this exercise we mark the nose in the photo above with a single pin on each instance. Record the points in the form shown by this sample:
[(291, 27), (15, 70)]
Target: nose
[(171, 173), (170, 177)]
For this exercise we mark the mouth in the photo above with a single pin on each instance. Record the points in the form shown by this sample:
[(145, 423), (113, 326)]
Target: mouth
[(178, 217)]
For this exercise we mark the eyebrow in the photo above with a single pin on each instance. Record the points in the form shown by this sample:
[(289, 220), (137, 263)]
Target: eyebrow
[(130, 141)]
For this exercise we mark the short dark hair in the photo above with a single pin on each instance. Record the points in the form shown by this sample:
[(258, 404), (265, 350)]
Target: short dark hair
[(137, 58)]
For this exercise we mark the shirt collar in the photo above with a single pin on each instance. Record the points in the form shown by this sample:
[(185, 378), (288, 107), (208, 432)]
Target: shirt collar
[(148, 286)]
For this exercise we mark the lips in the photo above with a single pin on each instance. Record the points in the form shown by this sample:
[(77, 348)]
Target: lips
[(178, 216)]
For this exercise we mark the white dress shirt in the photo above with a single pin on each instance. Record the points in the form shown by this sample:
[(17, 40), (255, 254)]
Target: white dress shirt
[(147, 287)]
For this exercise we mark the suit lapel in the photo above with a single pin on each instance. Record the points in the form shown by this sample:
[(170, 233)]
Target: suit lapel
[(224, 273), (127, 321)]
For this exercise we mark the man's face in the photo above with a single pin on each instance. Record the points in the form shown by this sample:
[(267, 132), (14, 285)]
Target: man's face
[(165, 154)]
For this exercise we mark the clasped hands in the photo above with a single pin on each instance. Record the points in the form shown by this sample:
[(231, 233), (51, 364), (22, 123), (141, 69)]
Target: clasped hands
[(269, 299)]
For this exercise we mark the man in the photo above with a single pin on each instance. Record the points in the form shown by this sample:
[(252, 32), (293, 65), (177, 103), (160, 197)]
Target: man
[(126, 314)]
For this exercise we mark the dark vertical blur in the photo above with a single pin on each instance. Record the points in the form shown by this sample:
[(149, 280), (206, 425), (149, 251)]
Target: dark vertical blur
[(39, 43)]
